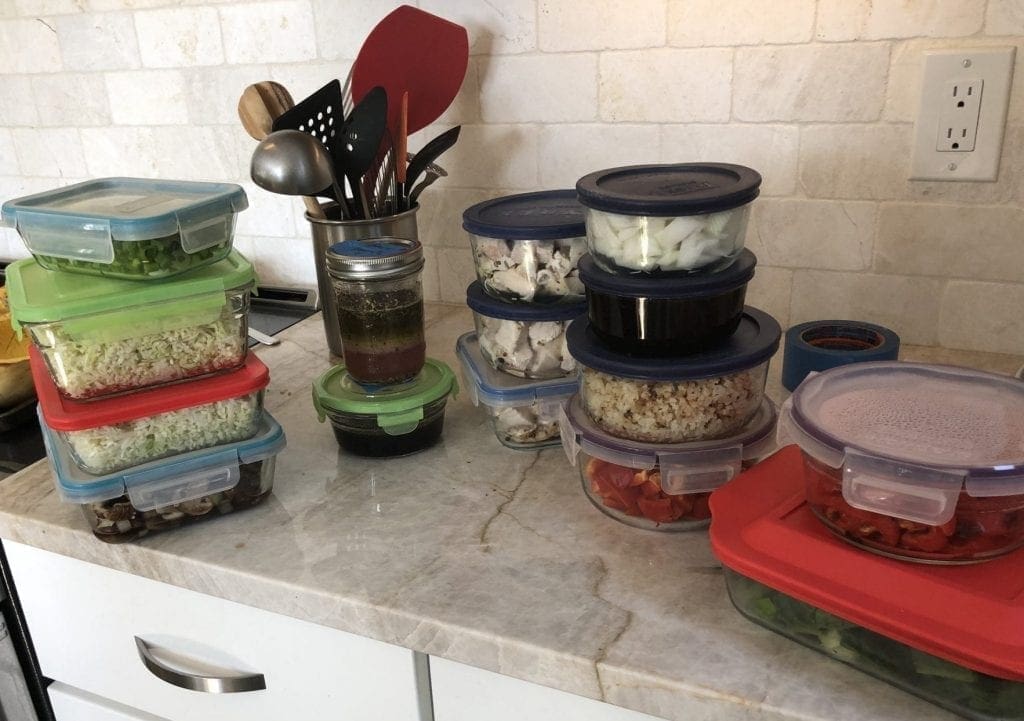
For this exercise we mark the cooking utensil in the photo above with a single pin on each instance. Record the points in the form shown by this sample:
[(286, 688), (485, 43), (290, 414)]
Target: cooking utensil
[(427, 155), (263, 338), (357, 146), (401, 150), (258, 107), (416, 52), (291, 162)]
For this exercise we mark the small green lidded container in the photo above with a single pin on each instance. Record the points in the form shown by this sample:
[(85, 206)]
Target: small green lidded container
[(130, 228), (102, 337), (385, 421)]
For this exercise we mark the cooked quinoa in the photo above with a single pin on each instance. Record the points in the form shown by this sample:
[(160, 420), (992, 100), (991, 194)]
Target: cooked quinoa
[(673, 411)]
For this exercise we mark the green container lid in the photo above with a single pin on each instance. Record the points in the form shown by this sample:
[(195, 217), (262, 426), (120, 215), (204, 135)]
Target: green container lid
[(87, 304), (397, 409)]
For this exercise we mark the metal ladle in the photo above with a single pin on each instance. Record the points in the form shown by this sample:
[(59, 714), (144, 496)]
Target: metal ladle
[(290, 162)]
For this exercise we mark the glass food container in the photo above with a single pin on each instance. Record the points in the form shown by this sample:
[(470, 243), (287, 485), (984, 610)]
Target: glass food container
[(700, 397), (953, 635), (131, 228), (666, 315), (388, 421), (101, 337), (380, 307), (919, 462), (172, 492), (117, 433), (524, 340), (663, 487), (526, 247), (668, 218), (523, 412)]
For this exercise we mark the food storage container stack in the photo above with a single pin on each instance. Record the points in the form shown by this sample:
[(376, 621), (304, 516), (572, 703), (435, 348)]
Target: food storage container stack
[(137, 311), (387, 399), (526, 251), (672, 364)]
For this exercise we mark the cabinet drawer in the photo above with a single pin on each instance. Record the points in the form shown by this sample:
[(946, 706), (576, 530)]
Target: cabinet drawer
[(70, 704), (85, 619), (465, 693)]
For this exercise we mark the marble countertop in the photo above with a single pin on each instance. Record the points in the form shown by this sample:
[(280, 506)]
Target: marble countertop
[(482, 555)]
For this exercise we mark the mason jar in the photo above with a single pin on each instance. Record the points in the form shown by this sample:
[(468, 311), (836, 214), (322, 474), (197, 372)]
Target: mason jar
[(378, 286)]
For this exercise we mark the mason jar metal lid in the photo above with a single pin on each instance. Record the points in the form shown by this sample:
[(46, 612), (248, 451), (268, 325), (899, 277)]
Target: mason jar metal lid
[(374, 258)]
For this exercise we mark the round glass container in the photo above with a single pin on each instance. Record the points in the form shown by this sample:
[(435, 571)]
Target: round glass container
[(379, 290)]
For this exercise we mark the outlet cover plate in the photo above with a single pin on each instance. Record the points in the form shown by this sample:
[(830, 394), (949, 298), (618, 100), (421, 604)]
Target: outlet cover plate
[(992, 66)]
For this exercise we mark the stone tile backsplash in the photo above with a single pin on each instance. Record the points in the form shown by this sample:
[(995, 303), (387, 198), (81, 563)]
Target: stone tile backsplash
[(819, 95)]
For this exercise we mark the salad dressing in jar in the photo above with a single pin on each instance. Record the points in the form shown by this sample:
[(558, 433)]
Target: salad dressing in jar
[(380, 308)]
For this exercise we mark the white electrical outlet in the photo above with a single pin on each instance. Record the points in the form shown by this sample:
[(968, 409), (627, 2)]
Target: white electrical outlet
[(959, 130)]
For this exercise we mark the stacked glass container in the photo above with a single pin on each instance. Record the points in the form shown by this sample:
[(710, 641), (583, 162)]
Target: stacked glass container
[(526, 251), (672, 363), (137, 308)]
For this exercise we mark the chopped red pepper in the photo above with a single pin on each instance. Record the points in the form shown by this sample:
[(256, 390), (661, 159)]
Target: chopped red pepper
[(639, 493)]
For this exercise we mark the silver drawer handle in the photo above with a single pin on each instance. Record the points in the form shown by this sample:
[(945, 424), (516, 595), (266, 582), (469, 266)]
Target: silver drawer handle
[(198, 682)]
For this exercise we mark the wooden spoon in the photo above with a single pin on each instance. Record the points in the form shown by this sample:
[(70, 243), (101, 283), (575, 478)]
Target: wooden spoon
[(262, 103)]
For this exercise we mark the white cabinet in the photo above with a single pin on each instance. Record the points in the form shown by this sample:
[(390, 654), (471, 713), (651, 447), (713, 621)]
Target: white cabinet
[(71, 704), (465, 693), (87, 622)]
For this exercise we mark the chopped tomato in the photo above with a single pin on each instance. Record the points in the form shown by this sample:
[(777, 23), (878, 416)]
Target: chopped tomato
[(700, 505), (609, 473), (683, 504), (659, 510)]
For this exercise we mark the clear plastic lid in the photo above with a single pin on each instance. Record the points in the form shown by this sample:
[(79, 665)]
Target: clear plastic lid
[(493, 388), (909, 436), (82, 220), (692, 467)]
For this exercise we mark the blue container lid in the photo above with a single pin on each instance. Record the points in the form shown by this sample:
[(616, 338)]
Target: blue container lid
[(484, 304), (547, 215), (669, 190), (128, 209), (754, 342), (165, 475), (500, 390), (692, 285)]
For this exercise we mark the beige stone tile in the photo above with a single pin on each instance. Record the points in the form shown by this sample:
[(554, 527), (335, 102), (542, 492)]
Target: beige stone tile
[(835, 83), (981, 243), (771, 291), (99, 42), (772, 150), (1004, 17), (305, 77), (983, 317), (439, 220), (909, 306), (501, 28), (71, 100), (29, 45), (824, 234), (539, 88), (455, 272), (869, 162), (666, 85), (211, 94), (269, 32), (1009, 187), (8, 153), (341, 27), (904, 91), (147, 97), (431, 276), (179, 37), (465, 108), (17, 105), (494, 156), (153, 152), (568, 152), (285, 263), (695, 23), (562, 25), (268, 214), (44, 7), (50, 153), (1005, 363), (868, 20)]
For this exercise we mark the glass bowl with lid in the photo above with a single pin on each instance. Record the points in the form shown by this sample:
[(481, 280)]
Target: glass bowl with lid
[(914, 461), (682, 218)]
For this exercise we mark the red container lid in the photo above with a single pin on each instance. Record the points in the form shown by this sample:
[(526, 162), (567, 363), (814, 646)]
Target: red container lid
[(971, 615), (62, 414)]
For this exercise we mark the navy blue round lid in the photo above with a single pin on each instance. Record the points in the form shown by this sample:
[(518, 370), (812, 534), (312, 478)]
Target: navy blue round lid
[(666, 190), (754, 342), (478, 300), (547, 215), (699, 285)]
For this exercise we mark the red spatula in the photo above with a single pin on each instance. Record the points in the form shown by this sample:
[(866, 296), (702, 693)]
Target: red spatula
[(416, 52)]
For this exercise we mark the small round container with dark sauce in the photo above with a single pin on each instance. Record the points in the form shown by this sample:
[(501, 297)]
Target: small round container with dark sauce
[(380, 307), (386, 421), (666, 315)]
